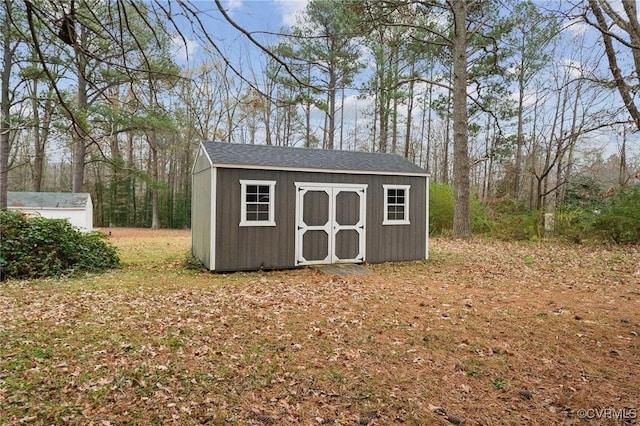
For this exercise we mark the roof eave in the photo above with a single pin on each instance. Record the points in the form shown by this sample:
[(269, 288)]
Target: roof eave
[(318, 170), (44, 208)]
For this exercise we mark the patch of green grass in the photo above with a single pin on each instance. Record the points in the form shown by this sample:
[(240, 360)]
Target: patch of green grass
[(335, 375), (472, 367), (17, 362), (175, 342), (42, 353), (500, 383)]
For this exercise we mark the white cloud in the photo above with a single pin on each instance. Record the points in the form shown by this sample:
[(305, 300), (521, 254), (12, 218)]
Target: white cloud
[(184, 49), (233, 5), (290, 9)]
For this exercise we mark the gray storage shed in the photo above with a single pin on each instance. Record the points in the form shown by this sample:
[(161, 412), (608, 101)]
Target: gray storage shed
[(269, 207)]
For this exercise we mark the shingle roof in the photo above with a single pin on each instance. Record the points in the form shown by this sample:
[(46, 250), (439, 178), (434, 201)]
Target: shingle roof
[(59, 200), (269, 156)]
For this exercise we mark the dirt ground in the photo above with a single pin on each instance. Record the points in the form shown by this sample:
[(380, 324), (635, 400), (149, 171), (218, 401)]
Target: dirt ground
[(483, 333)]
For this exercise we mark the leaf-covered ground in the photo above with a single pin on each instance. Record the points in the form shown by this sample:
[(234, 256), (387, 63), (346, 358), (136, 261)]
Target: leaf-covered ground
[(484, 333)]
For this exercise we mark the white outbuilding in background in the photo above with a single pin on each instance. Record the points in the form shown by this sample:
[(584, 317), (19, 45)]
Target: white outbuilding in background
[(77, 207)]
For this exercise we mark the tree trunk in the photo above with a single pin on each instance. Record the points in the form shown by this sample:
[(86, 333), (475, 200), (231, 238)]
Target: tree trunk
[(407, 138), (394, 82), (517, 175), (132, 216), (429, 136), (533, 156), (622, 169), (7, 62), (307, 117), (41, 136), (447, 137), (117, 203), (562, 177), (342, 118), (155, 205), (267, 121), (461, 184), (424, 159), (384, 99), (80, 144), (489, 146), (331, 115), (374, 128)]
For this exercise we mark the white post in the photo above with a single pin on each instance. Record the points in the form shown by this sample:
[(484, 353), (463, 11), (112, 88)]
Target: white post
[(548, 224)]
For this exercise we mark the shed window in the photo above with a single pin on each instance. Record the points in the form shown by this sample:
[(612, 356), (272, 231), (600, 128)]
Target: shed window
[(396, 205), (257, 206)]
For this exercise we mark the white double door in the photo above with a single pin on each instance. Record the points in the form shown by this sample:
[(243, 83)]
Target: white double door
[(330, 223)]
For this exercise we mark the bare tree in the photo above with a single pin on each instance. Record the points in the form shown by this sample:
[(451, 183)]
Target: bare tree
[(620, 32)]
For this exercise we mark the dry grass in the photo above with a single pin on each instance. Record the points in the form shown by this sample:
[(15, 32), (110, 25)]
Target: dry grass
[(485, 333)]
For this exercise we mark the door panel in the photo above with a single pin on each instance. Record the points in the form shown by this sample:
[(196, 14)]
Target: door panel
[(347, 245), (315, 246), (330, 223), (347, 208), (316, 208)]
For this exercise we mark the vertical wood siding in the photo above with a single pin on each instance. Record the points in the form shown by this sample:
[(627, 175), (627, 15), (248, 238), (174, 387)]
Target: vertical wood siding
[(250, 248), (201, 214)]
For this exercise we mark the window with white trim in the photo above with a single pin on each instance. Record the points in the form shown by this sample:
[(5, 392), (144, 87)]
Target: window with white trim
[(396, 205), (257, 206)]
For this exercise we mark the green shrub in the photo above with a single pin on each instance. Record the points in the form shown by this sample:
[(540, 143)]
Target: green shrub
[(522, 226), (512, 220), (574, 223), (481, 222), (614, 219), (39, 247), (440, 208), (619, 219)]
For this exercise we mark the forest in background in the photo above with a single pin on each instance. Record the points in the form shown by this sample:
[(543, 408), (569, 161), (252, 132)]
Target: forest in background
[(95, 99)]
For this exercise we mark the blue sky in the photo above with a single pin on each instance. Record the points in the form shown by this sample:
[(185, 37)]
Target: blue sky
[(265, 13), (258, 16)]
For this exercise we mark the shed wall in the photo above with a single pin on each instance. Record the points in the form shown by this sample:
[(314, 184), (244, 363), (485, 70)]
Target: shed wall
[(202, 162), (201, 216), (77, 217), (88, 215), (241, 248)]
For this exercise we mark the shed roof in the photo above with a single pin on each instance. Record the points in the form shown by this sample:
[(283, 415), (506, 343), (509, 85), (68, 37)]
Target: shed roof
[(51, 200), (278, 157)]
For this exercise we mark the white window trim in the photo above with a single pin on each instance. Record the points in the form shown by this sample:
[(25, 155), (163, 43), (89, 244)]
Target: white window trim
[(386, 220), (243, 203)]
